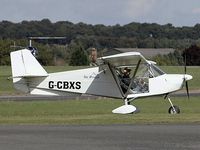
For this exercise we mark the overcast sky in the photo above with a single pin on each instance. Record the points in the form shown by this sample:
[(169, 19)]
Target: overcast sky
[(108, 12)]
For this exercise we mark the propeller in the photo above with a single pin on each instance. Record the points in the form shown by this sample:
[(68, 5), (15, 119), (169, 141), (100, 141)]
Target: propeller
[(185, 72), (188, 94)]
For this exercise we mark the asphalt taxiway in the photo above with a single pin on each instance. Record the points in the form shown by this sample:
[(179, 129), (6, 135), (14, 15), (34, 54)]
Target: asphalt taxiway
[(28, 97), (111, 137)]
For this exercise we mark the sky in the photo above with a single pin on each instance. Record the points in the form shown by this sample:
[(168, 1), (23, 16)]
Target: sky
[(107, 12)]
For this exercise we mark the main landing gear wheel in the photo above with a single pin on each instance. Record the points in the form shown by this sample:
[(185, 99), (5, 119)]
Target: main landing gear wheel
[(174, 110)]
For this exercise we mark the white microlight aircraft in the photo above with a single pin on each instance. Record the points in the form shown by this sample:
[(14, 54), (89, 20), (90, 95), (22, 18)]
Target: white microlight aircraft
[(127, 76)]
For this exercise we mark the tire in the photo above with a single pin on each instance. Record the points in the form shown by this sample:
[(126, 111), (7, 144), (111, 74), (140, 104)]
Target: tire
[(171, 110), (137, 111)]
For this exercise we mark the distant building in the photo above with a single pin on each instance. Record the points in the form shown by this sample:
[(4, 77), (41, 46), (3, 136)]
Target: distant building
[(147, 52)]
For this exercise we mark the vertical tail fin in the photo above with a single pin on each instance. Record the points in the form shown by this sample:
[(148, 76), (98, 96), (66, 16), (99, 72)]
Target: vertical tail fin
[(24, 64)]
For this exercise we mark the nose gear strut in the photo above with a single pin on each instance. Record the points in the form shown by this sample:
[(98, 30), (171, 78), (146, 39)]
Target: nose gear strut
[(173, 109)]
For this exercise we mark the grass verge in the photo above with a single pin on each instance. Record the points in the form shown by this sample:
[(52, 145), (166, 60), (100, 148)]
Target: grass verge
[(98, 112)]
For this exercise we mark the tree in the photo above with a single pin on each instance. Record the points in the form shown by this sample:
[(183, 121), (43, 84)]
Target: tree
[(5, 52), (174, 58), (78, 57), (192, 55)]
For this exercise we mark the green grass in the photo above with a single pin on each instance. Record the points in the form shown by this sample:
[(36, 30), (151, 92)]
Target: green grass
[(152, 110), (6, 86), (87, 112)]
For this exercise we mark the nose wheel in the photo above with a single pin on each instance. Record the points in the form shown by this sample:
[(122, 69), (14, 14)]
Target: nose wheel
[(173, 109)]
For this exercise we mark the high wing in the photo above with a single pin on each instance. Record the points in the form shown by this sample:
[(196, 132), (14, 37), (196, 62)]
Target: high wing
[(123, 59)]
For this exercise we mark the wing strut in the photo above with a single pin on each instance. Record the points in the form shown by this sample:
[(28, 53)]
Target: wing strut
[(115, 78), (136, 69)]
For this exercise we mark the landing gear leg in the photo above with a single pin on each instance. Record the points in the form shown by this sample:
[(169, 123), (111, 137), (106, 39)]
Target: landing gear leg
[(173, 109), (127, 102)]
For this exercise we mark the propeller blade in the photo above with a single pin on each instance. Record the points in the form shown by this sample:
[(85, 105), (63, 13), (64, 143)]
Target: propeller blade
[(185, 63), (188, 95), (185, 69)]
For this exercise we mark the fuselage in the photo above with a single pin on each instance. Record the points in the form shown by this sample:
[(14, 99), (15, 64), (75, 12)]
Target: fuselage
[(105, 79)]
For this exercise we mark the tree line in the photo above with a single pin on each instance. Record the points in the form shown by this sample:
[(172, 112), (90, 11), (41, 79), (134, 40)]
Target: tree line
[(84, 36)]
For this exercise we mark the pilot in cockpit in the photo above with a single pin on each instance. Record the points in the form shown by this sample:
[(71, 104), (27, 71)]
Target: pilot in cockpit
[(125, 79), (126, 76), (126, 72)]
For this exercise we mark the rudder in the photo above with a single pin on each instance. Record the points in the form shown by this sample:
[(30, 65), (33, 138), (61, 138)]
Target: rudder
[(24, 66)]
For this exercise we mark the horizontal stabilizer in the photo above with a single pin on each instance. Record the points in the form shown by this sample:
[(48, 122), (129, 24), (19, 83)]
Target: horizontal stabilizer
[(125, 109)]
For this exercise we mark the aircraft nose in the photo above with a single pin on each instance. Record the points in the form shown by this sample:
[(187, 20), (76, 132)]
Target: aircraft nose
[(187, 77)]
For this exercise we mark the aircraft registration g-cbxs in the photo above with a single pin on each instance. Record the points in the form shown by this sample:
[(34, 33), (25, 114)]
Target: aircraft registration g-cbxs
[(126, 76)]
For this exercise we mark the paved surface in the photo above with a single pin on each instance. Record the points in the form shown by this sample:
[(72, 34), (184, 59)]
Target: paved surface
[(35, 97), (113, 137)]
